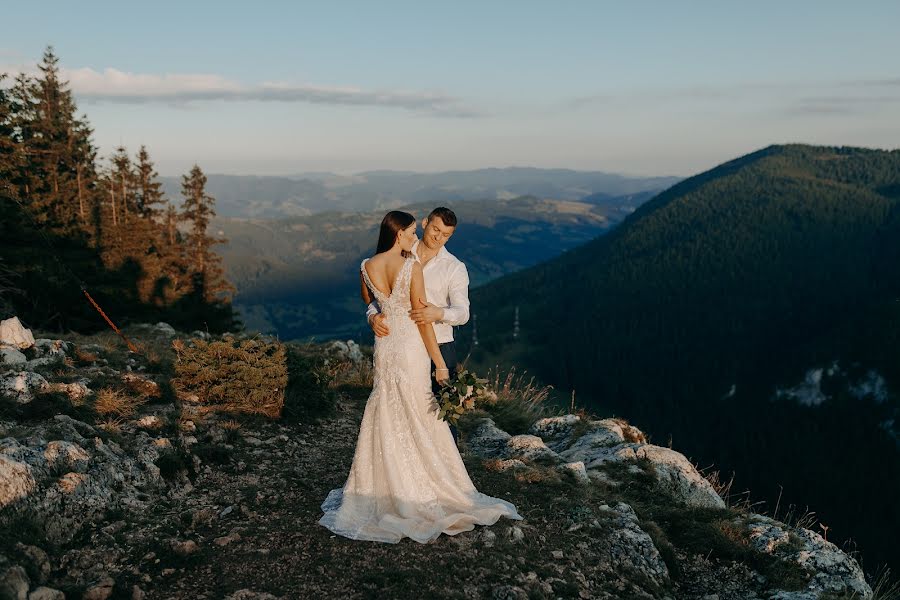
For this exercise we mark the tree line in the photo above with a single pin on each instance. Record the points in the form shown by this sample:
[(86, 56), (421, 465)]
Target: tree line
[(108, 221)]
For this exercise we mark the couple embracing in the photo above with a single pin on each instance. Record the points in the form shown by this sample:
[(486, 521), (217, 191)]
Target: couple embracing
[(407, 478)]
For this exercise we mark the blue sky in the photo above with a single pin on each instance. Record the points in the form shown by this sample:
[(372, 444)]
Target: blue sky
[(649, 88)]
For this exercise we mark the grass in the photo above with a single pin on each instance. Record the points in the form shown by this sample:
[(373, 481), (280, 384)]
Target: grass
[(115, 403), (520, 401)]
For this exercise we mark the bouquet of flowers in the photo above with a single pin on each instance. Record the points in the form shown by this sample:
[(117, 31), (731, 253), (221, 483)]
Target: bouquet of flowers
[(460, 395)]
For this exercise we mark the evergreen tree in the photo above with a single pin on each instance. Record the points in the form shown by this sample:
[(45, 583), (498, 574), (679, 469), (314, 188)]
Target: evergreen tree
[(58, 149), (150, 198), (210, 283), (10, 156)]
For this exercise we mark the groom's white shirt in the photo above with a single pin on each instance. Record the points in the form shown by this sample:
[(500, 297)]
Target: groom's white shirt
[(446, 286)]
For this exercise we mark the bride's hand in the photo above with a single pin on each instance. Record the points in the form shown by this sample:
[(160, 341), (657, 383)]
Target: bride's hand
[(442, 375)]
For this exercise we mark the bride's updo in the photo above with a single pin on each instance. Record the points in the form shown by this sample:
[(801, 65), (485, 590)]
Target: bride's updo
[(393, 223)]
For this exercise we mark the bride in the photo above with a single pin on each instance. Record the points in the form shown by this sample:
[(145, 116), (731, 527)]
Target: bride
[(407, 478)]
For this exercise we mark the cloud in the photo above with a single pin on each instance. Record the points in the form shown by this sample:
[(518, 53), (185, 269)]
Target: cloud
[(115, 86), (840, 104), (842, 97)]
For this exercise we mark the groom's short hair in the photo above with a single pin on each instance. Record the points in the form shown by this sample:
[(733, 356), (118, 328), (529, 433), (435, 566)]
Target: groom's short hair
[(446, 215)]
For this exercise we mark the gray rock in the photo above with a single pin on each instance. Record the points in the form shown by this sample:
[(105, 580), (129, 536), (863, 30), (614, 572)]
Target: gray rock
[(488, 440), (631, 547), (529, 447), (21, 386), (16, 480), (488, 537), (246, 594), (101, 590), (555, 431), (11, 356), (35, 560), (185, 548), (46, 593), (515, 533), (14, 583), (675, 473), (835, 571), (51, 348), (508, 592), (165, 329), (577, 470), (76, 392)]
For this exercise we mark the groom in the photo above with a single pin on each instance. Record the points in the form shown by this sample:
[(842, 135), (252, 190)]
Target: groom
[(446, 289)]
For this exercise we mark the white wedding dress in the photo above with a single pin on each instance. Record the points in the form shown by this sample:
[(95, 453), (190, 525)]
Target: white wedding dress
[(407, 477)]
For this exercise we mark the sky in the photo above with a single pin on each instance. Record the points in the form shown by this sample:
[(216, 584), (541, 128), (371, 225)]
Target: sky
[(638, 87)]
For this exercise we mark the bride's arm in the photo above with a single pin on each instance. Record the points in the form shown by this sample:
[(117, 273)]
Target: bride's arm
[(364, 289), (417, 298)]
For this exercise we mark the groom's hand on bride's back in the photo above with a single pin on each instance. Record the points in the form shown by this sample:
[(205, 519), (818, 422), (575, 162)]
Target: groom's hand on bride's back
[(379, 325)]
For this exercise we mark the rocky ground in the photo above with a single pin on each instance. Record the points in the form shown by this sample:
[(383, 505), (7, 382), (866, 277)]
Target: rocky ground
[(164, 504)]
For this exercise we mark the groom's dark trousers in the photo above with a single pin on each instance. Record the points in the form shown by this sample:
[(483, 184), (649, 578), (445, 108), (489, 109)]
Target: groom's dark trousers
[(448, 351)]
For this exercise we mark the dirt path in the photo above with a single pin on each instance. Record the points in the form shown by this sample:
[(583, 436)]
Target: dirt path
[(253, 519)]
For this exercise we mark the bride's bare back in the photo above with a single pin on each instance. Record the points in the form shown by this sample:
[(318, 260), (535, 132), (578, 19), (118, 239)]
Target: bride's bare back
[(383, 270)]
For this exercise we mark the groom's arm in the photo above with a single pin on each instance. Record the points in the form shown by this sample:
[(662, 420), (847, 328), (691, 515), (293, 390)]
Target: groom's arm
[(376, 320), (457, 312)]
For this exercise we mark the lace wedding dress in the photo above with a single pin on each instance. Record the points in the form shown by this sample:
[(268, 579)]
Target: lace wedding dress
[(407, 477)]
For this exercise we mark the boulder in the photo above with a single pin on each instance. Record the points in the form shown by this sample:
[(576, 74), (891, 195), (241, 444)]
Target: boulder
[(555, 431), (21, 386), (488, 440), (529, 447), (11, 356), (834, 571), (674, 472), (629, 547), (16, 480), (12, 333), (14, 583), (51, 348)]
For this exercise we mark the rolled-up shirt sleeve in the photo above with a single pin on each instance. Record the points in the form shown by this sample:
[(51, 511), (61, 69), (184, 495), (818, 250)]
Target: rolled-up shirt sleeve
[(457, 313), (373, 309)]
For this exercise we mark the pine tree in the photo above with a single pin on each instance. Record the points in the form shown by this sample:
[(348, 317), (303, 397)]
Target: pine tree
[(177, 280), (122, 177), (10, 155), (206, 265), (150, 198), (59, 151)]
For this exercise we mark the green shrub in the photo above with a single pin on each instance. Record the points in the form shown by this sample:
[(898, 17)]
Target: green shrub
[(309, 394)]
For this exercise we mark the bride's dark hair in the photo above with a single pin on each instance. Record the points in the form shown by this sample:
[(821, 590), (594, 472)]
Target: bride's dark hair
[(393, 223)]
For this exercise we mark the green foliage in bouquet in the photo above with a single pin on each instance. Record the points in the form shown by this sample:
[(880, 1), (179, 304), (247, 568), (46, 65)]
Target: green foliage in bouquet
[(461, 394), (247, 376)]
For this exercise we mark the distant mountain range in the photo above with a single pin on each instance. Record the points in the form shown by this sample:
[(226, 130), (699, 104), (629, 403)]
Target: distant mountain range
[(311, 193), (299, 277), (752, 314)]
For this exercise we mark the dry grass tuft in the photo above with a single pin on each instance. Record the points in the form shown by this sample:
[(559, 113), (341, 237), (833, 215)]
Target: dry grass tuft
[(115, 402), (885, 587), (493, 464), (629, 432), (520, 401), (84, 356), (111, 425), (230, 425), (537, 475)]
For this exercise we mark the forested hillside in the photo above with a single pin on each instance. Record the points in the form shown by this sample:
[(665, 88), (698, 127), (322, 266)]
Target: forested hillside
[(752, 315)]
